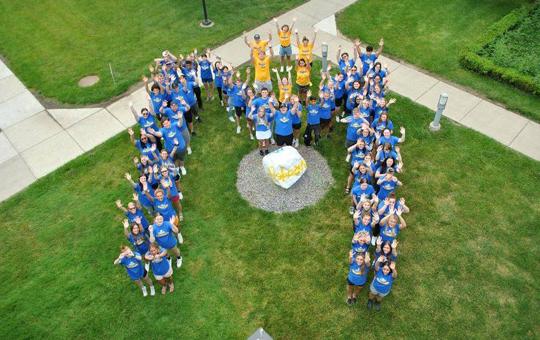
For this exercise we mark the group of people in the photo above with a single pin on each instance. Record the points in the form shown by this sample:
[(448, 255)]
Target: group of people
[(353, 94)]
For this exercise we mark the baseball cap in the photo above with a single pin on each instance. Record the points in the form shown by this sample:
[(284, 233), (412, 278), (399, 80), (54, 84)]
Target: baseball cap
[(257, 37)]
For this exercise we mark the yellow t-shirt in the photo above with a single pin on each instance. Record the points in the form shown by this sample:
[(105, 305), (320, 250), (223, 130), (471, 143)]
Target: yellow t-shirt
[(283, 90), (256, 47), (305, 51), (303, 74), (285, 38), (262, 68)]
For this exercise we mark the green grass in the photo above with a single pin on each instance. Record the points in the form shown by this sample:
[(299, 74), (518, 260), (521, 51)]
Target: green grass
[(51, 44), (431, 34), (468, 261), (519, 47)]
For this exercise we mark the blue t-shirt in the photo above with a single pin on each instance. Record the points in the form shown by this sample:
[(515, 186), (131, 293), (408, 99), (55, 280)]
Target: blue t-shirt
[(140, 242), (160, 266), (351, 98), (165, 208), (283, 123), (146, 150), (386, 211), (383, 283), (357, 192), (386, 188), (145, 202), (258, 102), (339, 88), (138, 213), (358, 273), (325, 109), (164, 235), (148, 122), (380, 126), (206, 69), (261, 124), (188, 94), (313, 116), (358, 155), (218, 80), (157, 100), (392, 140), (171, 183), (134, 266), (388, 233), (352, 129), (360, 227), (236, 94), (366, 61), (170, 134), (344, 64)]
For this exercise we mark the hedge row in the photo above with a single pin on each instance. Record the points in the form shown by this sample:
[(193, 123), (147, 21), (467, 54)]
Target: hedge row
[(471, 59)]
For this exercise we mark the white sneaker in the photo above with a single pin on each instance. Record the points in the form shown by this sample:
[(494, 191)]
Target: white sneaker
[(144, 292), (281, 69), (351, 210), (348, 158), (273, 141), (238, 129), (152, 291), (232, 119), (251, 136), (147, 267), (180, 195), (179, 262), (337, 119), (180, 238), (373, 240), (189, 150), (183, 170)]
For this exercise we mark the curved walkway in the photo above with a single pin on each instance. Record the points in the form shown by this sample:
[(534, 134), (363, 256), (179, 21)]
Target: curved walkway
[(35, 141)]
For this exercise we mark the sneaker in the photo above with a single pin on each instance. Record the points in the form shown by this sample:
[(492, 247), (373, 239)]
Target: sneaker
[(181, 217), (180, 238), (377, 306), (221, 102), (183, 170), (199, 119), (266, 152), (180, 196), (354, 300), (179, 262), (193, 133), (189, 150), (351, 210), (261, 152), (374, 241), (369, 304), (164, 290), (349, 301), (171, 287), (147, 267), (273, 141), (232, 119), (144, 292), (238, 129), (347, 191), (251, 136), (281, 69), (337, 119), (152, 291)]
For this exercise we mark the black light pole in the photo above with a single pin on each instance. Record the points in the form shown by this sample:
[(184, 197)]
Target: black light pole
[(206, 22)]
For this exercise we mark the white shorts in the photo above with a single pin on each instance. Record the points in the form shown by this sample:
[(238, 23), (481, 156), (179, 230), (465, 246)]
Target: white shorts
[(262, 135), (167, 274)]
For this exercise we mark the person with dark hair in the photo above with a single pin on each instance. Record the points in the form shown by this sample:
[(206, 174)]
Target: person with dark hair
[(145, 144), (161, 267), (285, 48), (283, 118), (263, 133), (313, 121), (132, 261), (236, 94), (207, 77), (386, 249), (174, 141), (157, 96), (385, 274), (356, 279), (218, 79), (303, 79), (369, 57), (305, 48)]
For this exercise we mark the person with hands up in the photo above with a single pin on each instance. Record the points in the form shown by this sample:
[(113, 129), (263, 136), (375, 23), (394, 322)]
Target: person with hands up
[(163, 233), (132, 262), (385, 274), (161, 267), (359, 264), (285, 49)]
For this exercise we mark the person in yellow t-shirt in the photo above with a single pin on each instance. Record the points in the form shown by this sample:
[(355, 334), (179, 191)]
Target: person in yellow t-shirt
[(257, 44), (285, 48), (284, 85), (262, 70), (303, 79), (305, 48)]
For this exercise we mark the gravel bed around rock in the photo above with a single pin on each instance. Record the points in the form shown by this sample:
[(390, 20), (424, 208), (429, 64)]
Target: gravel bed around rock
[(258, 189)]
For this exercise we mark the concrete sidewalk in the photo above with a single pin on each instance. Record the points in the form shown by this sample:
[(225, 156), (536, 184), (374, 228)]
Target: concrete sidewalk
[(35, 141)]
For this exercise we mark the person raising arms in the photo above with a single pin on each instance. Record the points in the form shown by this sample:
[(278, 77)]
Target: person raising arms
[(135, 269), (262, 70), (257, 44), (285, 48), (305, 48), (284, 85)]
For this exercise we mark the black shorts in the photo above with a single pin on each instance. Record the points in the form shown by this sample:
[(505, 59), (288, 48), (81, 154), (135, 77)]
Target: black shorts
[(325, 122), (188, 115), (280, 140), (302, 88), (352, 284), (338, 102), (297, 126), (239, 110)]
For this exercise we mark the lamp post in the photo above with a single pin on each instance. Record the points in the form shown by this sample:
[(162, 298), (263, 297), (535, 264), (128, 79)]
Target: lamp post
[(206, 22), (435, 124), (324, 49)]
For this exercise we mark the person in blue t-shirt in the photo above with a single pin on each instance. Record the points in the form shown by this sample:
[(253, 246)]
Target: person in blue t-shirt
[(168, 184), (145, 120), (313, 121), (326, 102), (390, 203), (174, 141), (218, 80), (385, 274), (344, 61), (133, 263), (339, 92), (381, 123), (389, 163), (352, 92), (146, 144), (283, 119), (161, 267), (354, 125), (263, 133), (369, 57), (157, 95), (361, 192), (388, 250), (389, 226), (137, 236), (133, 211), (387, 184), (207, 77), (296, 118), (387, 137), (163, 232), (357, 278), (236, 94)]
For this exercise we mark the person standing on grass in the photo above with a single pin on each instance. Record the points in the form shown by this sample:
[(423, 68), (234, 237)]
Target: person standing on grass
[(385, 274), (303, 79), (167, 183), (146, 144), (388, 250), (296, 119), (135, 269), (139, 189), (360, 192), (157, 95), (369, 57), (136, 235), (134, 211), (190, 70), (262, 70), (344, 62), (206, 75), (339, 94), (186, 91), (176, 114), (236, 94), (262, 129), (313, 121), (161, 267), (162, 204), (249, 97), (387, 184), (283, 119), (174, 141), (285, 48), (218, 79), (359, 264), (144, 119), (284, 85), (325, 110), (163, 233), (305, 48), (389, 226), (257, 45)]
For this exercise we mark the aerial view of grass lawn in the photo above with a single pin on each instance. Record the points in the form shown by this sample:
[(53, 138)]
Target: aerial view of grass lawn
[(468, 259), (432, 35), (52, 44)]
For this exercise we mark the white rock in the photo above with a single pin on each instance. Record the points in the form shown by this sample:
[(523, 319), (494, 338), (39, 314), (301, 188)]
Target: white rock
[(284, 166)]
